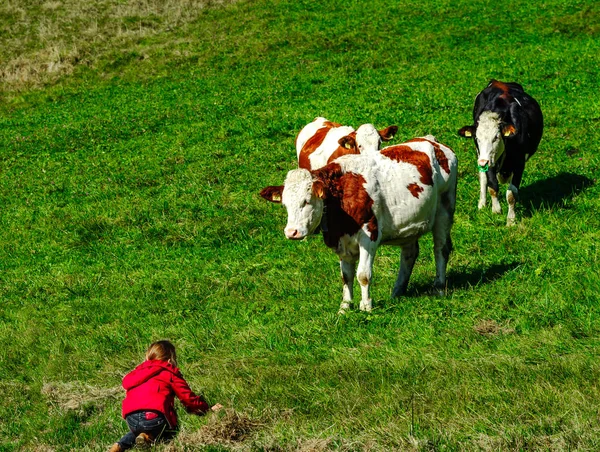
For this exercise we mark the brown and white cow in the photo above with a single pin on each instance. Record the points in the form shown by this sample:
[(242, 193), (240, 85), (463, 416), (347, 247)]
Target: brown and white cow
[(318, 143), (391, 197)]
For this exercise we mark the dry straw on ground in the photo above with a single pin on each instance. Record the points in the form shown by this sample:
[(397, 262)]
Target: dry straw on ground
[(41, 42), (76, 395), (491, 328), (226, 428)]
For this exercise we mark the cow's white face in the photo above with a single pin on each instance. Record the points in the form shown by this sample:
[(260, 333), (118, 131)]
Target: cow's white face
[(367, 138), (304, 208), (490, 145)]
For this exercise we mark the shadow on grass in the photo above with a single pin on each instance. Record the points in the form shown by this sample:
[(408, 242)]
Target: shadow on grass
[(552, 192), (463, 280), (458, 280)]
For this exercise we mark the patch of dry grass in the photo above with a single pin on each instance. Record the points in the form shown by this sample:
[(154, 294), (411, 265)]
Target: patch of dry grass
[(491, 328), (42, 42), (228, 428), (76, 395)]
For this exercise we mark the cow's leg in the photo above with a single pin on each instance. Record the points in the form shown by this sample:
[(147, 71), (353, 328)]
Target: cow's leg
[(512, 193), (364, 272), (482, 190), (407, 262), (348, 269), (493, 190), (442, 242)]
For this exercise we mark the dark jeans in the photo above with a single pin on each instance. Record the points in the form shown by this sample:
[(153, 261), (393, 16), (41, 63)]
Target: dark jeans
[(157, 428)]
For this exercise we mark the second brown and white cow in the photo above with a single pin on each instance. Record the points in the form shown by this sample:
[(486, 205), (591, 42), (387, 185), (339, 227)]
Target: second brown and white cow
[(391, 197), (318, 143)]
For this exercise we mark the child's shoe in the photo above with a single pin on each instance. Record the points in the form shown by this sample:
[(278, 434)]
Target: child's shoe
[(143, 441), (116, 447)]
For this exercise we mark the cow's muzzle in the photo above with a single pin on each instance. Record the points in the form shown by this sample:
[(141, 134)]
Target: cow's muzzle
[(293, 234)]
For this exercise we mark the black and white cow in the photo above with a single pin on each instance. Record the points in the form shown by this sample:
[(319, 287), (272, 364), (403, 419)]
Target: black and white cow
[(507, 128)]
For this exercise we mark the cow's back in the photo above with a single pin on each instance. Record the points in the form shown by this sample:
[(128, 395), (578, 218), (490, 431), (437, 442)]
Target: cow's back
[(404, 182), (317, 143)]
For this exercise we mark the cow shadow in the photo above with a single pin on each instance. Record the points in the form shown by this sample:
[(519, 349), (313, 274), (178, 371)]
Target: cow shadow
[(552, 192), (458, 279), (475, 277)]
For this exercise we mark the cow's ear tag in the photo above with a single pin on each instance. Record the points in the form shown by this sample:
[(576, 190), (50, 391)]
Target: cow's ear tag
[(509, 130), (347, 145), (276, 197), (468, 133)]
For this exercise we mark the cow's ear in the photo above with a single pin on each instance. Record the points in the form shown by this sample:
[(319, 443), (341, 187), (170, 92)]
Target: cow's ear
[(508, 130), (388, 133), (348, 142), (272, 193), (467, 132), (318, 189)]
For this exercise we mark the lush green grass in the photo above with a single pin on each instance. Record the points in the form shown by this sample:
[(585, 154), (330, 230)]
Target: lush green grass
[(128, 187)]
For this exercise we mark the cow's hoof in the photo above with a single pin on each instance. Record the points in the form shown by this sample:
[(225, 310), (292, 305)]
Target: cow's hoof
[(481, 205), (399, 292), (344, 307), (366, 306), (511, 222)]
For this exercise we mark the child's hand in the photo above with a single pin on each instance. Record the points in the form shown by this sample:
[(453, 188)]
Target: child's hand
[(216, 407)]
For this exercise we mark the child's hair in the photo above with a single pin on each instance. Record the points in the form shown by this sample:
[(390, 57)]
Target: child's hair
[(162, 351)]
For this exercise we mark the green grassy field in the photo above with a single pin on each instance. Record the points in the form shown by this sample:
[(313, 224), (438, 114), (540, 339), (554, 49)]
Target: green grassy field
[(134, 139)]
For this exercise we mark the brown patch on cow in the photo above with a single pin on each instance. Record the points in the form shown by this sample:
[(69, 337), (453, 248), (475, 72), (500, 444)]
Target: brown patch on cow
[(415, 189), (311, 146), (440, 155), (331, 125), (362, 279), (493, 193), (502, 87), (510, 197), (348, 205), (342, 150), (420, 160)]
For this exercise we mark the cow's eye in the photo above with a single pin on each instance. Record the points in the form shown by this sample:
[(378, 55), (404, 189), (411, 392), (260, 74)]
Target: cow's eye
[(304, 203)]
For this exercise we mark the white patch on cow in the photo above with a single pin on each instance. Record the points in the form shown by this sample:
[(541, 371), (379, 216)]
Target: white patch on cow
[(489, 138), (303, 207), (496, 207), (511, 198), (367, 139), (482, 190)]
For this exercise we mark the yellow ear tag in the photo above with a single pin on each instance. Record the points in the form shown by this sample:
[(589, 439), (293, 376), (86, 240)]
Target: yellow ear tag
[(276, 198), (508, 131), (347, 145), (468, 133)]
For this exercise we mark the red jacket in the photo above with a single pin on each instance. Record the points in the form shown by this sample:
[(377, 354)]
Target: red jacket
[(153, 385)]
